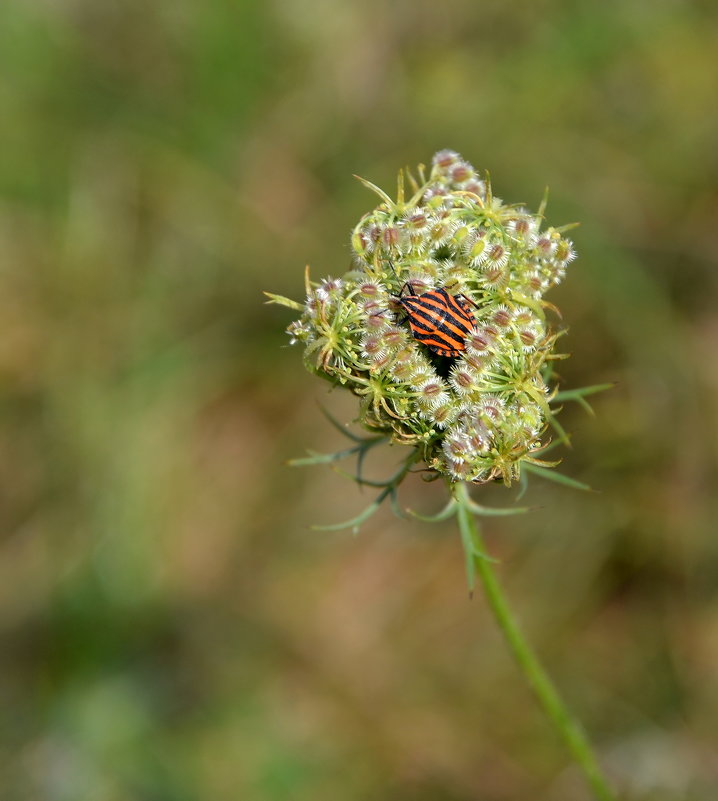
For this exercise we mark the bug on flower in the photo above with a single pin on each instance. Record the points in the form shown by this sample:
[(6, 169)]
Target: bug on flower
[(438, 320)]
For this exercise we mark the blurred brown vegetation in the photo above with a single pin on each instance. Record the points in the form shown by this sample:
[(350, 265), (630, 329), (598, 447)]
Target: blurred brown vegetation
[(170, 627)]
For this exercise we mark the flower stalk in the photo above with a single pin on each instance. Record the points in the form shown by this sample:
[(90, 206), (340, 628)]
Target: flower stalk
[(566, 725)]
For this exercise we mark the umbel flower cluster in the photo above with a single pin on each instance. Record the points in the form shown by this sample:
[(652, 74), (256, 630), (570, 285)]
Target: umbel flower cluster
[(475, 416)]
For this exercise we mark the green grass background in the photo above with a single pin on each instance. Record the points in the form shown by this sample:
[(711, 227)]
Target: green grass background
[(170, 627)]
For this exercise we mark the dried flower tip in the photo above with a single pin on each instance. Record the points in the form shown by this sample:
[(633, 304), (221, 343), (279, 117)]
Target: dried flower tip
[(476, 187), (497, 255), (370, 289), (432, 393), (522, 229), (470, 472), (416, 220), (361, 243), (502, 316), (390, 237), (536, 283), (490, 332), (329, 287), (464, 446), (402, 371), (480, 341), (435, 193), (461, 172), (564, 251), (545, 246), (314, 305), (463, 379), (445, 158), (393, 337), (443, 414), (529, 338), (494, 276), (421, 374), (420, 283), (524, 317), (376, 322), (478, 362), (405, 355), (491, 407), (371, 307), (457, 448), (372, 345), (432, 390), (365, 240), (479, 438), (380, 360)]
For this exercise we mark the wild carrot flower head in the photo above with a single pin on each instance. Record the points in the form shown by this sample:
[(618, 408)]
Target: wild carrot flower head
[(478, 413)]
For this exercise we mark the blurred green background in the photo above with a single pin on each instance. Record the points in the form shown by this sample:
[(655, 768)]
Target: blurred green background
[(170, 627)]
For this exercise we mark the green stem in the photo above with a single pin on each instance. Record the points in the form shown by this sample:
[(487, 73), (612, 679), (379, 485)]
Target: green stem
[(568, 728)]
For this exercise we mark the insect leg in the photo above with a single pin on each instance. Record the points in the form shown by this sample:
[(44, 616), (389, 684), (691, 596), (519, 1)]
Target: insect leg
[(464, 297)]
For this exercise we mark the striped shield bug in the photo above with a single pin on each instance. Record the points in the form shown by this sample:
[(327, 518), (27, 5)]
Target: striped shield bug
[(438, 320)]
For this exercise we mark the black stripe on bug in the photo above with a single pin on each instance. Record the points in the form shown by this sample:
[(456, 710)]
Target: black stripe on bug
[(438, 320)]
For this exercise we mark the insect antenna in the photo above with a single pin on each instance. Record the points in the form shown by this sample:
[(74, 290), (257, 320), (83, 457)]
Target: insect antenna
[(403, 286), (472, 302)]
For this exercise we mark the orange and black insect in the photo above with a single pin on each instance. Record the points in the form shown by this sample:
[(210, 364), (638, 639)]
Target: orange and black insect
[(439, 320)]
